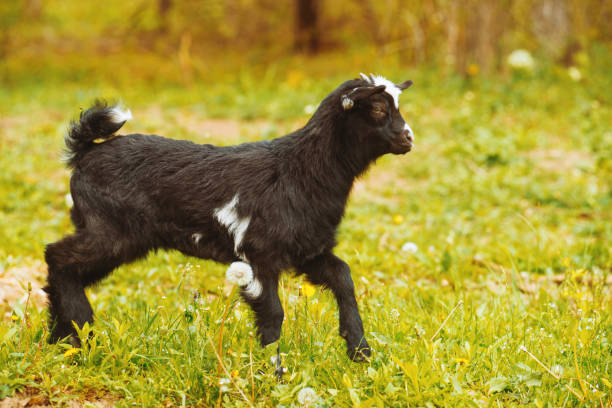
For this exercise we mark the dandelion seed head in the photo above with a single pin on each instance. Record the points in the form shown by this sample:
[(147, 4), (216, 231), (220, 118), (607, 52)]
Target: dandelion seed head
[(574, 73), (309, 109), (521, 60), (239, 273), (307, 396), (410, 247)]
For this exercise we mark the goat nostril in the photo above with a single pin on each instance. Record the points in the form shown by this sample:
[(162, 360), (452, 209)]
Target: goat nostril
[(408, 135)]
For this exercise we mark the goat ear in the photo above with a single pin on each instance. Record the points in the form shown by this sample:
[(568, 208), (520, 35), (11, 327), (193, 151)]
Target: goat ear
[(357, 94), (404, 85)]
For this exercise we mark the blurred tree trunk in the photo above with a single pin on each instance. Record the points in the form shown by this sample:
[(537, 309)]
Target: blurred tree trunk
[(32, 9), (453, 33), (163, 6), (491, 27), (552, 26), (306, 26), (10, 14), (474, 32)]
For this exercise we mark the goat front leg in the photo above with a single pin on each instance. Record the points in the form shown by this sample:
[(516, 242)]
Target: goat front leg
[(332, 272), (262, 295)]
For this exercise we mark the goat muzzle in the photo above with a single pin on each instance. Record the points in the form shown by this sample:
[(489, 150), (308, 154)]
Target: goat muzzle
[(407, 135), (403, 143)]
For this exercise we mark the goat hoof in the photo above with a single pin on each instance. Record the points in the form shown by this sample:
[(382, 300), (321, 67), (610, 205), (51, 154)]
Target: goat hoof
[(70, 339), (61, 333), (268, 335), (361, 353)]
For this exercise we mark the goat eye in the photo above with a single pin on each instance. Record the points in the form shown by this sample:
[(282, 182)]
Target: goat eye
[(378, 111)]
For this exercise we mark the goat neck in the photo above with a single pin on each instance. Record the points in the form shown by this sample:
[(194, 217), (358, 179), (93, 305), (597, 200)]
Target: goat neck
[(323, 151)]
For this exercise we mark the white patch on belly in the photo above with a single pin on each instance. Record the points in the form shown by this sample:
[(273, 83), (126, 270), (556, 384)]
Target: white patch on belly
[(228, 217), (253, 289)]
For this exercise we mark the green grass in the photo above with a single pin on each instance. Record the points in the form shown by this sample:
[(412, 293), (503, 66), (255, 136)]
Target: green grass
[(508, 189)]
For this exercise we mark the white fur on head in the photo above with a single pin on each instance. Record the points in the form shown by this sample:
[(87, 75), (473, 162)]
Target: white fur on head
[(409, 129), (390, 87), (118, 115)]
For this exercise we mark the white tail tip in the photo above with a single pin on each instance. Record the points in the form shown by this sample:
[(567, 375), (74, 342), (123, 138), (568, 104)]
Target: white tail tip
[(117, 115)]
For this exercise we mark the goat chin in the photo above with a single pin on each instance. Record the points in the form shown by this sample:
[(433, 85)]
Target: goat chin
[(264, 207)]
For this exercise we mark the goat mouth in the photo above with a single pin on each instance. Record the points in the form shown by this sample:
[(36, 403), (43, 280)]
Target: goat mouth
[(404, 144)]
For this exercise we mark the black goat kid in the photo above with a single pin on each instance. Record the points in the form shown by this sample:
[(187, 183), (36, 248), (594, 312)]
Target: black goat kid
[(265, 207)]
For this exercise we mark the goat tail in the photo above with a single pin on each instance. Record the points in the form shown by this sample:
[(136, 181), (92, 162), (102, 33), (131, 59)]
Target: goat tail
[(100, 121)]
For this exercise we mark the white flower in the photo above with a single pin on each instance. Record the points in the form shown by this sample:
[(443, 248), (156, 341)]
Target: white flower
[(307, 396), (309, 109), (574, 73), (239, 273), (68, 199), (223, 382), (410, 247), (395, 315), (521, 59), (557, 369)]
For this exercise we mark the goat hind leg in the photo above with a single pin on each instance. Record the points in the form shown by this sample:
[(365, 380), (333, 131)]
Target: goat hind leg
[(74, 263), (68, 304), (332, 272)]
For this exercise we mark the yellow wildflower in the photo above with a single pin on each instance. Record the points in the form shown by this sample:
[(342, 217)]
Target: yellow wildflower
[(295, 78), (71, 351), (473, 69), (308, 289)]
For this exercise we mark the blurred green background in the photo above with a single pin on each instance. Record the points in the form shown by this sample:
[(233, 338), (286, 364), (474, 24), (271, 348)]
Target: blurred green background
[(490, 238), (185, 43)]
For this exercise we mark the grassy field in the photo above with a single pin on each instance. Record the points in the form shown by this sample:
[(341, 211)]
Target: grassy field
[(506, 300)]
